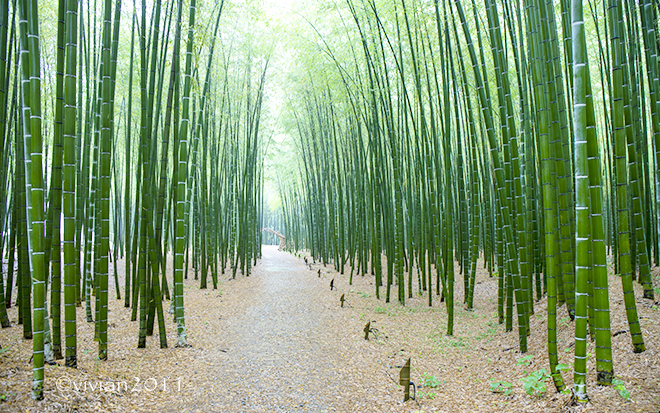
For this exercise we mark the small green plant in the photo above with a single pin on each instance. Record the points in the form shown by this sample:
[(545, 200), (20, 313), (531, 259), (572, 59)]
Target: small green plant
[(458, 342), (429, 380), (429, 395), (621, 388), (488, 334), (363, 295), (563, 367), (501, 386), (564, 321), (534, 384), (525, 360), (380, 310)]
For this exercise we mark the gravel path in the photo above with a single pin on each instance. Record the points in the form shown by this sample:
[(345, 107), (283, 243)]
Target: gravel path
[(290, 347)]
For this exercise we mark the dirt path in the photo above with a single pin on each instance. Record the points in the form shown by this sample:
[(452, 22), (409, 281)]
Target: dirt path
[(289, 347)]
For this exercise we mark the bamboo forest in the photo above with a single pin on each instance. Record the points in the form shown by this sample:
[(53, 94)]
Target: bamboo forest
[(329, 205)]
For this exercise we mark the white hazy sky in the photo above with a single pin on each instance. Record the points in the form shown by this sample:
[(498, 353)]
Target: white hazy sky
[(279, 7)]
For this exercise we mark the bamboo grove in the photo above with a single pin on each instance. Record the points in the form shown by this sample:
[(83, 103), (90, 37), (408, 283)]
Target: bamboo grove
[(107, 153), (525, 132)]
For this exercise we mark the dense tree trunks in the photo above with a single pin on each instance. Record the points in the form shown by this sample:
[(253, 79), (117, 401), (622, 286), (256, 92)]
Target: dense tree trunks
[(503, 180), (404, 139)]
